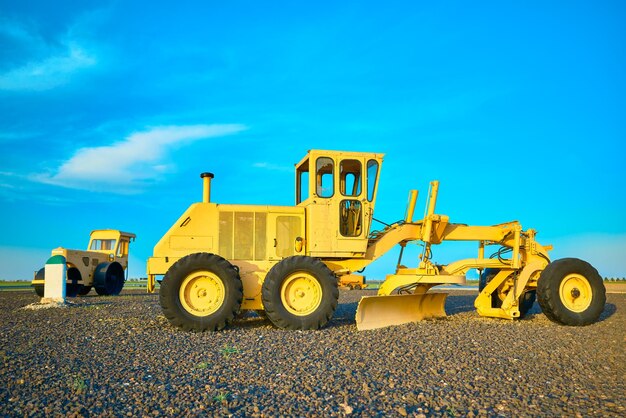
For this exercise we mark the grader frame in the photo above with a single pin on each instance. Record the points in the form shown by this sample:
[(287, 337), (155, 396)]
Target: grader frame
[(287, 261)]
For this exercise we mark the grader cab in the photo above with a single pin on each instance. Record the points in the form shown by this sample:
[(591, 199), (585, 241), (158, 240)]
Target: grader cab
[(287, 261)]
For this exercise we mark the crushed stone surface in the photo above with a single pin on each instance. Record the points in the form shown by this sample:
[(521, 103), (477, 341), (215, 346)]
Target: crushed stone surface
[(118, 356)]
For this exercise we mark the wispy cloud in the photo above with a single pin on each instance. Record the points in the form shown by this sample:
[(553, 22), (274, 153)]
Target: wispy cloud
[(272, 167), (128, 164), (49, 65)]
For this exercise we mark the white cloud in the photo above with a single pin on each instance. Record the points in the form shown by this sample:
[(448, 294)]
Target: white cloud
[(48, 73), (125, 166), (50, 65)]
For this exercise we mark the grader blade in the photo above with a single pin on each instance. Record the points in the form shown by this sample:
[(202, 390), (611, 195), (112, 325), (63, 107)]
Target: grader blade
[(385, 311)]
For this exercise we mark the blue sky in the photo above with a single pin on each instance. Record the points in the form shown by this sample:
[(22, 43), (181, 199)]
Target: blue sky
[(110, 110)]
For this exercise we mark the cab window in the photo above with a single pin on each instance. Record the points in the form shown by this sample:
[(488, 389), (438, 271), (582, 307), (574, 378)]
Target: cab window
[(372, 173), (122, 248), (102, 245), (324, 177), (350, 177), (350, 218)]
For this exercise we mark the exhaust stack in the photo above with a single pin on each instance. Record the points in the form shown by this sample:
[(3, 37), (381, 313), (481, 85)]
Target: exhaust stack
[(206, 186)]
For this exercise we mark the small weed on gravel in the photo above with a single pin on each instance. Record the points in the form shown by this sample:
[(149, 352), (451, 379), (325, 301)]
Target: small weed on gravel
[(202, 365), (221, 397), (78, 384), (451, 412), (227, 351)]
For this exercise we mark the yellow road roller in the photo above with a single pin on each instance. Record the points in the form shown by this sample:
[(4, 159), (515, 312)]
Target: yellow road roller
[(102, 266)]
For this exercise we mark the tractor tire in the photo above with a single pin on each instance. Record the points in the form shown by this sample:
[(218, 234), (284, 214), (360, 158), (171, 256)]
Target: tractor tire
[(300, 293), (72, 287), (526, 300), (571, 292), (39, 288), (357, 287), (84, 290), (108, 279), (201, 292)]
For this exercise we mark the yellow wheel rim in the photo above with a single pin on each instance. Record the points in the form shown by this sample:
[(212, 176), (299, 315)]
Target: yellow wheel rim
[(301, 294), (202, 293), (575, 292)]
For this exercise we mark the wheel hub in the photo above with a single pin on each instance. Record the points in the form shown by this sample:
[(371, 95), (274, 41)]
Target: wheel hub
[(301, 294), (202, 293), (575, 292)]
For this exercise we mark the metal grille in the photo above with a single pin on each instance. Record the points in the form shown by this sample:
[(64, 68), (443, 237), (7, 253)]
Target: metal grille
[(243, 235), (226, 235), (260, 231)]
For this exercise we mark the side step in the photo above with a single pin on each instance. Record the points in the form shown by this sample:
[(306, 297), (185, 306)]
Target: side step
[(385, 311)]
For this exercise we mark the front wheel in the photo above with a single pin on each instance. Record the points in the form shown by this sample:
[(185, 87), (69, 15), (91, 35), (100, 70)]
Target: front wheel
[(201, 292), (300, 293), (571, 292), (109, 279)]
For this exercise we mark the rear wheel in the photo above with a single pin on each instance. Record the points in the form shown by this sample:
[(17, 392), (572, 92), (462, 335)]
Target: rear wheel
[(39, 288), (526, 300), (300, 293), (571, 292), (72, 287), (201, 292)]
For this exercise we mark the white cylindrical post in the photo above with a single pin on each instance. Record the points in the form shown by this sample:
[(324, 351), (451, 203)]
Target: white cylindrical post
[(54, 285)]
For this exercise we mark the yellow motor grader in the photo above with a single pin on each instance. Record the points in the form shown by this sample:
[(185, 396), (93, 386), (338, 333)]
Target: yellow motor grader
[(101, 266), (287, 261)]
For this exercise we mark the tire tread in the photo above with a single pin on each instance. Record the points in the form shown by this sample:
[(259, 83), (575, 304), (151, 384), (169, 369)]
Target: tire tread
[(272, 284), (170, 286), (548, 292)]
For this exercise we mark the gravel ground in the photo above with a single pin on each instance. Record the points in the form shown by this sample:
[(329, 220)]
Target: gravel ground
[(118, 356)]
